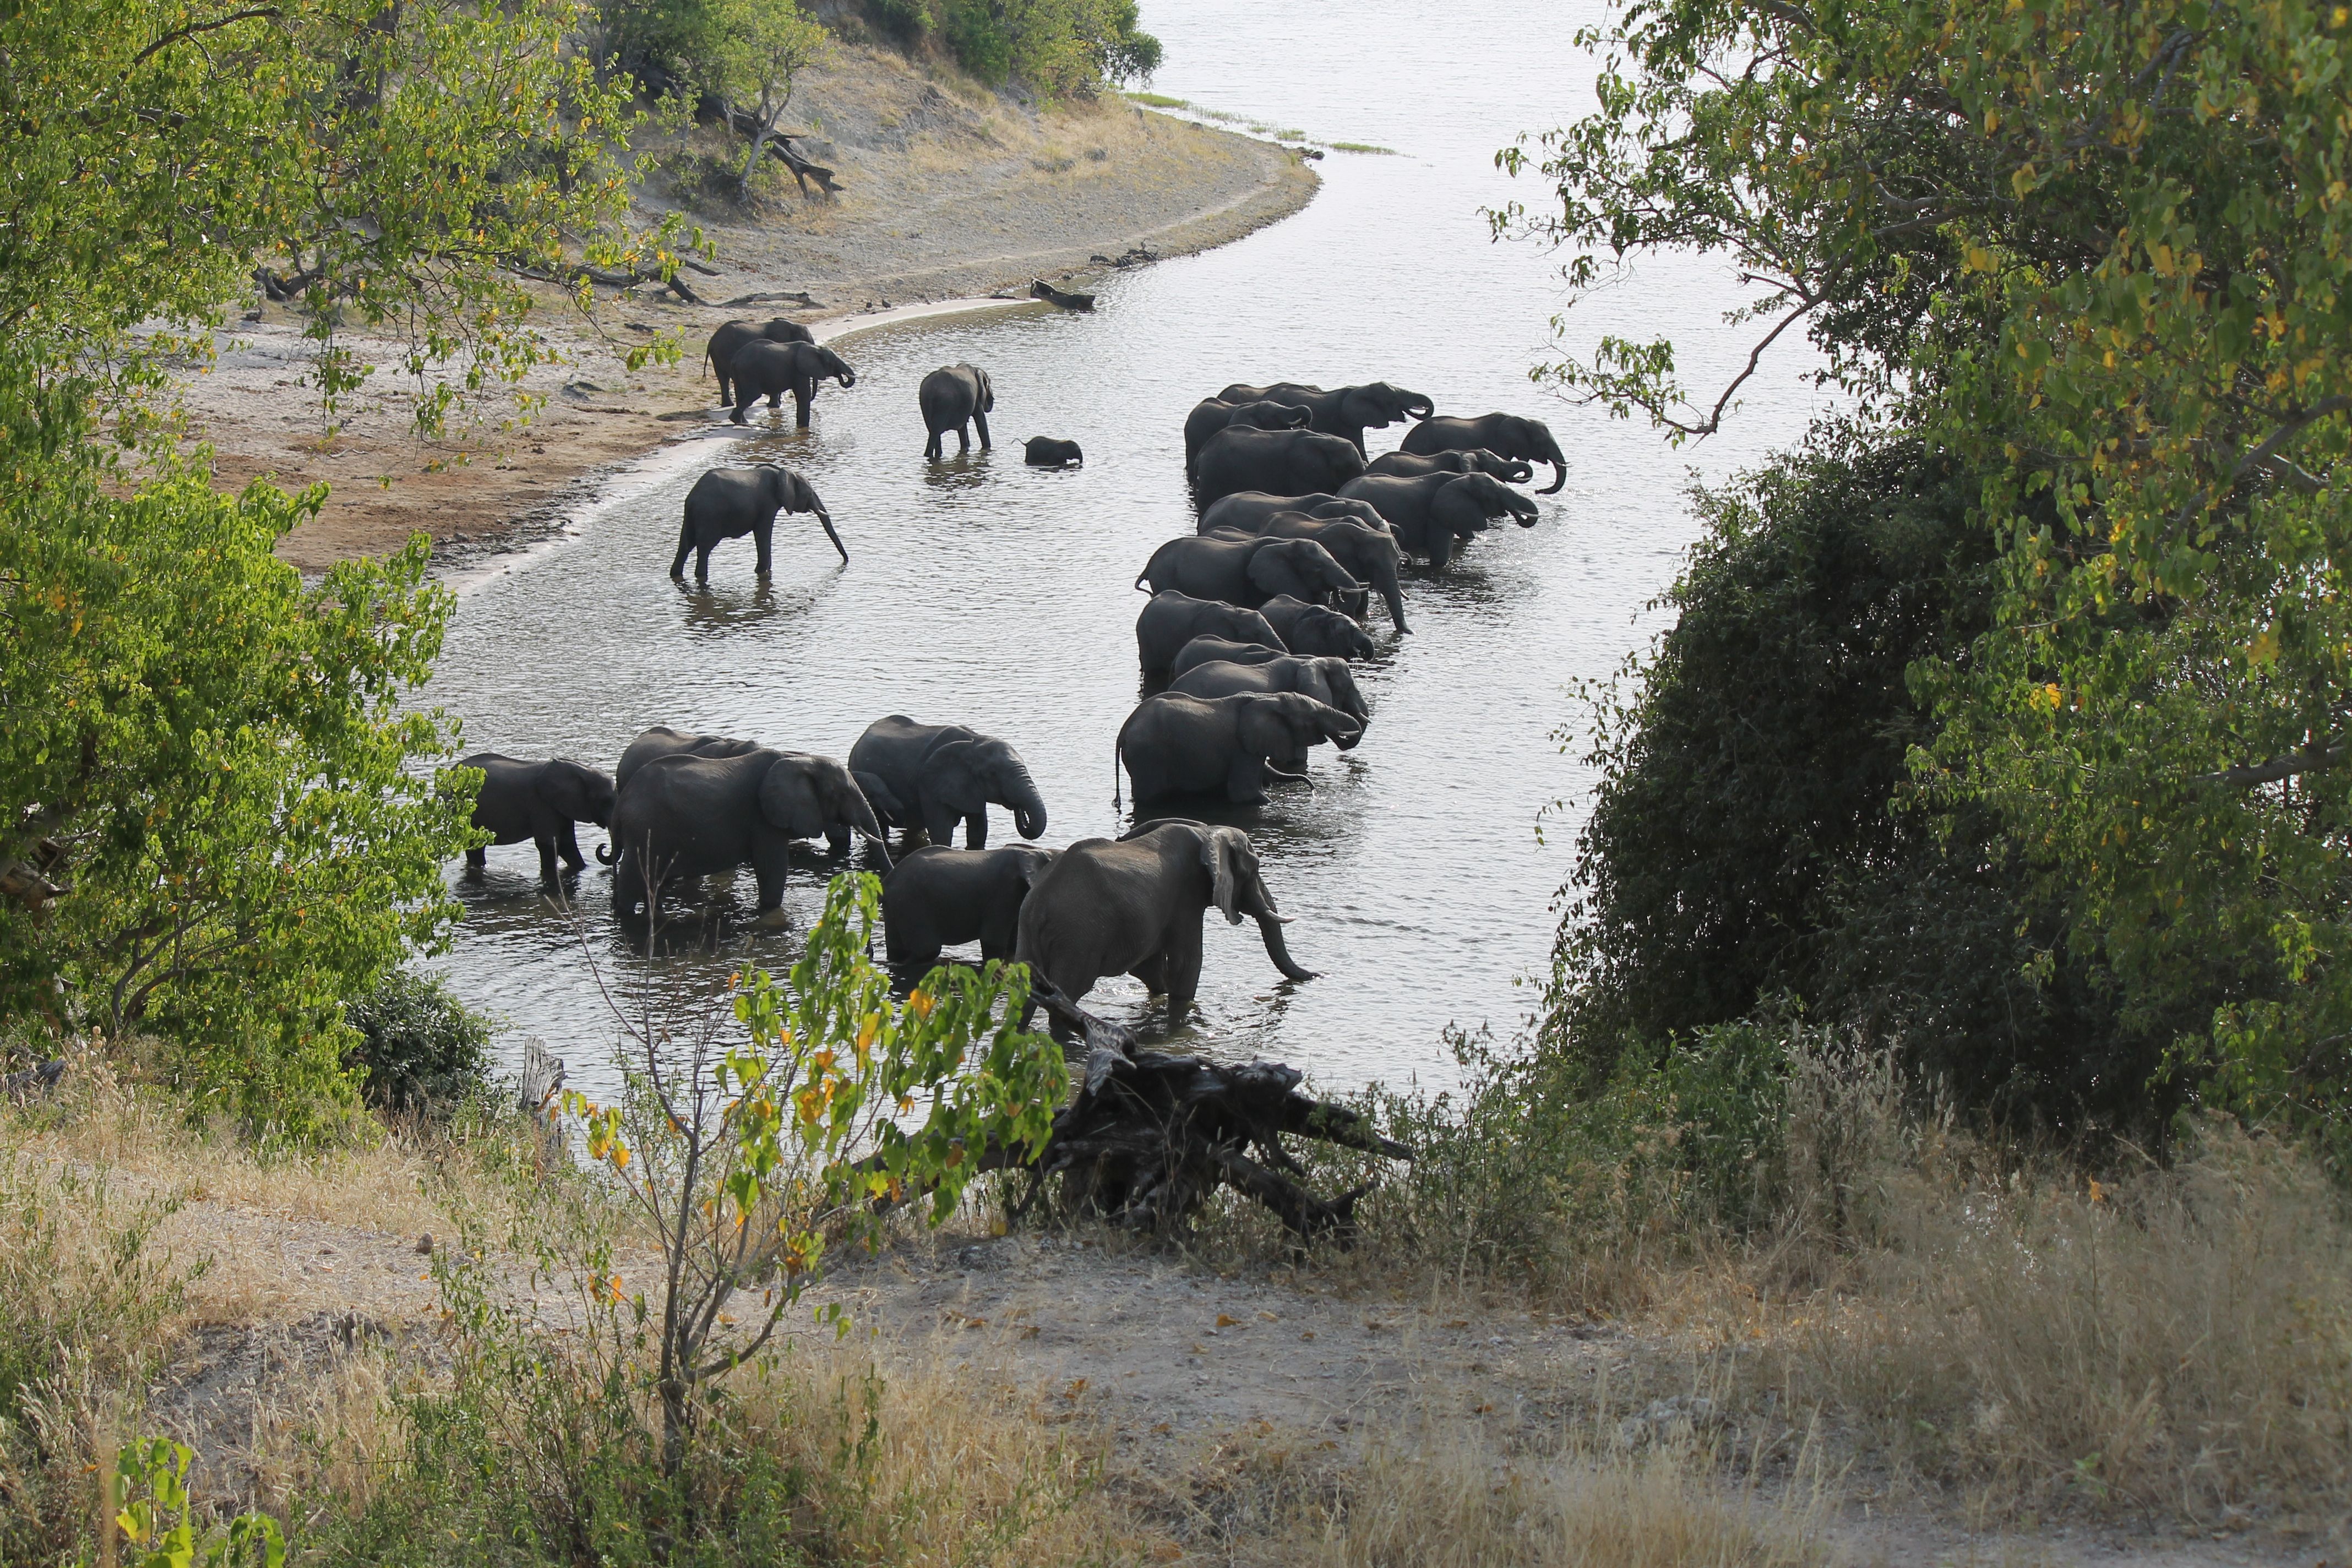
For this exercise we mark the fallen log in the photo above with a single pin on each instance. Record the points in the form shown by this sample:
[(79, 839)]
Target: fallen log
[(780, 144), (1041, 289)]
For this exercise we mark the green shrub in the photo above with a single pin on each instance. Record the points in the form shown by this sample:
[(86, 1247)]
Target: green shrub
[(419, 1047), (904, 22)]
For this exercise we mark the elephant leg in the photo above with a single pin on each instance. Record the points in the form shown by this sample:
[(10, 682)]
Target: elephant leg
[(1183, 960), (475, 860), (768, 866), (836, 838), (567, 844), (765, 538), (546, 843), (684, 548), (746, 395), (963, 440), (936, 448), (702, 563), (976, 830), (802, 397), (1153, 973), (1440, 548), (999, 936), (980, 423)]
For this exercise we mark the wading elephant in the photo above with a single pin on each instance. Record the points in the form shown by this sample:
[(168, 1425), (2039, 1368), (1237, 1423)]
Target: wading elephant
[(768, 370), (932, 776), (1311, 629), (1249, 510), (684, 815), (1430, 514), (1342, 411), (1045, 452), (1226, 746), (1170, 620), (941, 897), (1220, 650), (1280, 462), (661, 740), (1212, 415), (1133, 906), (1367, 554), (727, 503), (538, 801), (732, 335), (1245, 569), (952, 397), (1326, 679), (1506, 435), (1405, 465)]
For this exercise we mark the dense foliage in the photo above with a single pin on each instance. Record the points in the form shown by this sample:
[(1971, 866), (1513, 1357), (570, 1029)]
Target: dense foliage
[(420, 1049), (213, 821), (1056, 47), (2094, 255)]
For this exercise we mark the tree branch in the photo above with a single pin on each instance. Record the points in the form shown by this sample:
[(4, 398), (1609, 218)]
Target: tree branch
[(2291, 765)]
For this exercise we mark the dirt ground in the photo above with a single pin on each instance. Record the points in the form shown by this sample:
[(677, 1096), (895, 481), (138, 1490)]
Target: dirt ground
[(947, 192)]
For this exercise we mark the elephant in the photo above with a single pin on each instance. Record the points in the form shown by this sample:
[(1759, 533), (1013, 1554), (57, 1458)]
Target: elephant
[(732, 335), (953, 396), (1170, 620), (1430, 513), (1220, 650), (538, 801), (727, 503), (1045, 452), (1133, 906), (1406, 465), (1222, 745), (1248, 510), (688, 816), (661, 740), (1326, 679), (1369, 554), (1212, 415), (1311, 629), (940, 896), (768, 370), (1281, 462), (1243, 570), (1505, 435), (1340, 410), (932, 776)]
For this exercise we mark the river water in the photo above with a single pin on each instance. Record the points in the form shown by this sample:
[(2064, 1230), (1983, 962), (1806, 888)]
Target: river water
[(986, 594)]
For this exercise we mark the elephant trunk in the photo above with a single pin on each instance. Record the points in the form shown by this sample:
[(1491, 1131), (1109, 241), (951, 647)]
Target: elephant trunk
[(1524, 512), (1028, 806), (1269, 927), (824, 519), (1395, 596), (1558, 468), (605, 856)]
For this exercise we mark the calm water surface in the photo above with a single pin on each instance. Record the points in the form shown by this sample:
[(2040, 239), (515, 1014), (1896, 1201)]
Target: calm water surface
[(982, 593)]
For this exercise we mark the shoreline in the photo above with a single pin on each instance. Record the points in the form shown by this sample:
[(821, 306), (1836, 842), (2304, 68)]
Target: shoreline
[(983, 198)]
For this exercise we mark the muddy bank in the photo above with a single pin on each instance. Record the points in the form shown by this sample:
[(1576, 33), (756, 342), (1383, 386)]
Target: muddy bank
[(947, 192)]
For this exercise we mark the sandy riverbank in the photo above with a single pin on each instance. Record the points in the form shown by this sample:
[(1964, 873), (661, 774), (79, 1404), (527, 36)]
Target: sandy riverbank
[(946, 191)]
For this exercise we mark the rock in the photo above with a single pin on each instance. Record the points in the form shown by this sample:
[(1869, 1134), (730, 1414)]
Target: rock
[(424, 1245)]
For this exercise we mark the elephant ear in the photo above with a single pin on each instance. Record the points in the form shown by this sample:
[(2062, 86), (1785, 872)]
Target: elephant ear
[(954, 770), (1035, 863), (1271, 571), (1365, 405), (559, 785), (803, 495), (790, 801), (1221, 853), (987, 392)]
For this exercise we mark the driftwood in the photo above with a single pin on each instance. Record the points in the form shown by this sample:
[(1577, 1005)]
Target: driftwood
[(1150, 1135), (710, 110), (1133, 256), (1041, 289), (789, 296)]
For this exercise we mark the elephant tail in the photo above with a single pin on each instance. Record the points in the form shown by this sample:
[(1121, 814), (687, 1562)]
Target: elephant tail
[(1117, 747)]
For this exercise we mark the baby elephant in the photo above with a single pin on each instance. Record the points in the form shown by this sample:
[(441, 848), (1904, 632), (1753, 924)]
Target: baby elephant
[(1044, 452), (941, 897), (932, 776), (1222, 745), (1324, 678), (727, 503), (1310, 628), (952, 396), (538, 801)]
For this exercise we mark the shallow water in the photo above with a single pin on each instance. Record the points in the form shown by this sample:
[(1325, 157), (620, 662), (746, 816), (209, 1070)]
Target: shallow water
[(983, 593)]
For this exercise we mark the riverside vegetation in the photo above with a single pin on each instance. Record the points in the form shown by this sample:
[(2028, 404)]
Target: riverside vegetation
[(1944, 1059)]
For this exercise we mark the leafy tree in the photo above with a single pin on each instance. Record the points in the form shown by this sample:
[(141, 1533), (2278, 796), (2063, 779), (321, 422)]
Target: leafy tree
[(1059, 47), (2097, 253), (751, 51)]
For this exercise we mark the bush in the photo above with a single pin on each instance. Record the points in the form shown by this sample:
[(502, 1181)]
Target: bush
[(419, 1047), (1057, 48)]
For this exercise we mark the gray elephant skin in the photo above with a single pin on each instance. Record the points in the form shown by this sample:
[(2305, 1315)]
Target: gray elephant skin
[(932, 776), (1133, 906), (952, 397), (1342, 411), (661, 740), (1506, 435), (763, 369), (1280, 462), (1220, 650), (727, 503), (1171, 619), (1212, 415), (942, 897), (719, 355), (541, 802), (1326, 679), (1311, 629), (1047, 452), (684, 815), (1245, 570), (1226, 746), (1405, 465), (1431, 514), (1249, 510), (1369, 555)]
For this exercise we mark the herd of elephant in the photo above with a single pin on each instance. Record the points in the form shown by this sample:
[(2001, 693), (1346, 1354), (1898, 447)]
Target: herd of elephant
[(1245, 640)]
